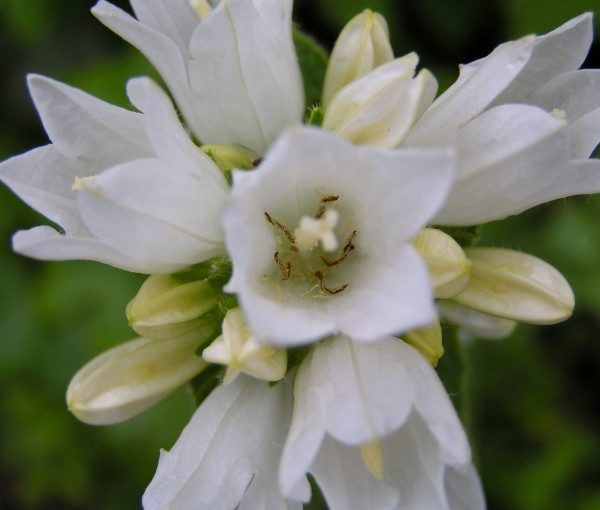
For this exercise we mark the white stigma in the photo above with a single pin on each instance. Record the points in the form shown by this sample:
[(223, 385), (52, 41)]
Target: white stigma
[(311, 231)]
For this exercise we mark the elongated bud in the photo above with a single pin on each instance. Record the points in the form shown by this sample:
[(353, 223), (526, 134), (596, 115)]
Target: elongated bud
[(448, 266), (428, 341), (237, 349), (166, 306), (516, 286), (475, 323), (362, 45), (128, 379), (380, 108)]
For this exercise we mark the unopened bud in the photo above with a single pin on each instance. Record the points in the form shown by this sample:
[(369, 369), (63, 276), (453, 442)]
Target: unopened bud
[(362, 45), (516, 286), (166, 306), (380, 108), (475, 323), (428, 341), (128, 379), (202, 8), (237, 349), (448, 266)]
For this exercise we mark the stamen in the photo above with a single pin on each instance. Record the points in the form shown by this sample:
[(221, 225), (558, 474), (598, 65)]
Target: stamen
[(325, 201), (286, 232), (326, 289), (285, 269), (348, 247)]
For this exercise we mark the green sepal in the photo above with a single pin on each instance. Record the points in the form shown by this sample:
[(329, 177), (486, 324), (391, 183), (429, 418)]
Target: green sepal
[(315, 115), (313, 60), (465, 236), (296, 356), (202, 385)]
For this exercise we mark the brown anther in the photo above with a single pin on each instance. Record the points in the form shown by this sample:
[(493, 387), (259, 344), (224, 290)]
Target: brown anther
[(325, 201), (348, 247), (284, 230), (329, 290), (285, 269), (257, 162)]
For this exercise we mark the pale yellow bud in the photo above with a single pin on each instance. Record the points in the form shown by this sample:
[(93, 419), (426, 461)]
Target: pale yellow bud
[(372, 458), (448, 266), (202, 8), (475, 323), (428, 341), (128, 379), (516, 286), (380, 108), (166, 306), (228, 157), (363, 45), (237, 349)]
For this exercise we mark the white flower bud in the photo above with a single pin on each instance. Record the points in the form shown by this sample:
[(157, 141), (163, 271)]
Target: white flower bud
[(516, 286), (448, 266), (165, 306), (237, 349), (381, 107), (128, 379), (428, 341), (363, 45), (475, 323)]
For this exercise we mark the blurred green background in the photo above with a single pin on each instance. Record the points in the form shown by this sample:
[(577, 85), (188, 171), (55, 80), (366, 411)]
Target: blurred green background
[(535, 416)]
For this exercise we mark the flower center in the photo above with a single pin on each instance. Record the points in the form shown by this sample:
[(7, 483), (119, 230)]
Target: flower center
[(304, 254)]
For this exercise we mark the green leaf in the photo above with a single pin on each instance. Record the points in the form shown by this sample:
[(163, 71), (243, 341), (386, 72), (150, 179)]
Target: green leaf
[(313, 63)]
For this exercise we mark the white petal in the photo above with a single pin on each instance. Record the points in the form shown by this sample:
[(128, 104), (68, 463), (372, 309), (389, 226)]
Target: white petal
[(475, 89), (170, 141), (557, 52), (245, 74), (476, 323), (412, 464), (43, 178), (155, 212), (346, 483), (576, 93), (314, 161), (585, 134), (433, 405), (511, 158), (227, 453), (364, 391), (463, 489), (86, 128), (160, 50), (45, 243), (174, 18)]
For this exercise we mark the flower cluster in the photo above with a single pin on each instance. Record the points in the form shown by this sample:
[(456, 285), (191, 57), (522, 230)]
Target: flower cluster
[(298, 274)]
